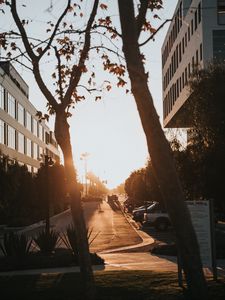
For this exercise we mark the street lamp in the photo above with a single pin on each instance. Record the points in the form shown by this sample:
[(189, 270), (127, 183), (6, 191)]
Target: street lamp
[(47, 162), (84, 157)]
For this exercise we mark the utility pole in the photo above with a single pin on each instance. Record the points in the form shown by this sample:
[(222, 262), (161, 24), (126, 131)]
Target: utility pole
[(84, 157), (47, 163)]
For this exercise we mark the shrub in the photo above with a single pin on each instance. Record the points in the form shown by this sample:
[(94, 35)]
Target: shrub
[(69, 239), (15, 244), (47, 241)]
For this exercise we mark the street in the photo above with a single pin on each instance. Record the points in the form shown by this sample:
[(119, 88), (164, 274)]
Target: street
[(111, 228)]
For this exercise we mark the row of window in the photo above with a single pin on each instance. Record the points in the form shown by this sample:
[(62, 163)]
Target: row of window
[(18, 112), (178, 86), (180, 49), (175, 63), (17, 141), (30, 168), (174, 32)]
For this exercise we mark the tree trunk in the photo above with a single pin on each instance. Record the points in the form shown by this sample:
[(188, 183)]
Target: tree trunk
[(161, 156), (63, 139)]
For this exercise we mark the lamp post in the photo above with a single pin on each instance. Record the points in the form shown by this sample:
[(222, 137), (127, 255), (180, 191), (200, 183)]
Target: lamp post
[(47, 163), (84, 157)]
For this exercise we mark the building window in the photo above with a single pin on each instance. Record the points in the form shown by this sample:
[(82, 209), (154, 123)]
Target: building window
[(35, 151), (186, 78), (40, 131), (21, 143), (189, 70), (35, 127), (219, 45), (2, 132), (29, 168), (28, 121), (196, 19), (189, 35), (200, 52), (221, 11), (180, 54), (185, 39), (193, 63), (11, 106), (20, 114), (2, 106), (192, 27), (11, 137), (183, 45), (196, 57), (29, 148)]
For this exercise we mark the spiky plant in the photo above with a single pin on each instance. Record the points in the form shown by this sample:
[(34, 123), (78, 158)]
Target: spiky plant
[(46, 241)]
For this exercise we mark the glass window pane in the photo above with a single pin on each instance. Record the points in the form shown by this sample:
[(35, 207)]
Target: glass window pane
[(29, 148), (21, 143), (28, 121), (11, 137), (35, 151), (2, 136), (20, 114), (11, 106), (35, 127), (1, 97)]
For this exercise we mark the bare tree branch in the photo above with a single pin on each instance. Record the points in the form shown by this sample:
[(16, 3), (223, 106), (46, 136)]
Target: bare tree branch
[(154, 33), (77, 70), (109, 28), (141, 18), (108, 49), (22, 31), (55, 29), (59, 73)]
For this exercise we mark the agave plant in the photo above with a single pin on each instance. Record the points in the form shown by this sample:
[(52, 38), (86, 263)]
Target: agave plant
[(46, 241), (15, 244), (70, 241)]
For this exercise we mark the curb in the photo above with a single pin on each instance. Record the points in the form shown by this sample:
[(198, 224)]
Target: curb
[(146, 239)]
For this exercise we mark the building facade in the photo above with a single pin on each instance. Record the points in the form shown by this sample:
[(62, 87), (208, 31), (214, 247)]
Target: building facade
[(196, 37), (22, 137)]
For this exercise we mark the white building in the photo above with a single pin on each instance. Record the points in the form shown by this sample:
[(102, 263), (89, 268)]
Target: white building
[(196, 36), (22, 136)]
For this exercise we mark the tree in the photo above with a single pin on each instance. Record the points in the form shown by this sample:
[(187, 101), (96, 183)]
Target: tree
[(96, 186), (136, 188), (67, 75), (203, 161), (158, 147)]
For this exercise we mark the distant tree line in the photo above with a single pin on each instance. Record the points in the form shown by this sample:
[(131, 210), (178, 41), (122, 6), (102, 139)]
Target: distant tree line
[(23, 194)]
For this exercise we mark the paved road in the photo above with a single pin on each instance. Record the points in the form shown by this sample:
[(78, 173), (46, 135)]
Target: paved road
[(108, 223)]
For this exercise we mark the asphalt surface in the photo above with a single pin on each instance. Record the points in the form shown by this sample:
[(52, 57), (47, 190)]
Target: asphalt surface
[(120, 241)]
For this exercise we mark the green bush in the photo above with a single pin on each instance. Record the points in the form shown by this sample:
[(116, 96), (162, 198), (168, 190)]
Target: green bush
[(15, 244), (47, 241)]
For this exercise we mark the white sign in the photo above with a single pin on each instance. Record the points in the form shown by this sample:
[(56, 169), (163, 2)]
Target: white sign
[(200, 216)]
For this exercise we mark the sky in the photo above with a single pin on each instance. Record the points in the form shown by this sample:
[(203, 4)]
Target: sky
[(109, 130)]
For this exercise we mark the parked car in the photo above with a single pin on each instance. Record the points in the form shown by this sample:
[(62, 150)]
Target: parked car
[(138, 213), (157, 216)]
